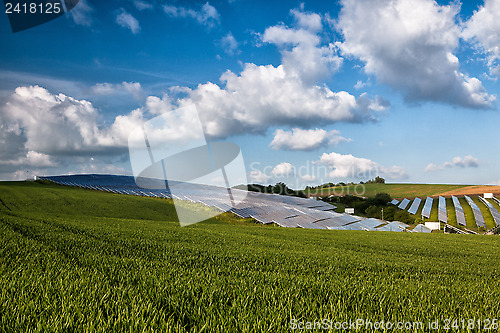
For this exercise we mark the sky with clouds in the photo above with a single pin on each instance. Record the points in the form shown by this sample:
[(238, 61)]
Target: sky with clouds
[(312, 92)]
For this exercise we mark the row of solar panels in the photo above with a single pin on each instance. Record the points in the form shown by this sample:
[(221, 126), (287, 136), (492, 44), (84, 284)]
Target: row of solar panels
[(459, 212), (285, 211)]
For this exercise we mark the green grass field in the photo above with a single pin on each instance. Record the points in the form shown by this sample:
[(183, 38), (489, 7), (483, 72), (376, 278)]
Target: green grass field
[(451, 213), (74, 260), (395, 190)]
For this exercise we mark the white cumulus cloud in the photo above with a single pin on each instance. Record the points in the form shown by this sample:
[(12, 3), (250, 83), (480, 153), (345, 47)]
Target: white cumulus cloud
[(468, 161), (142, 4), (126, 20), (207, 15), (133, 88), (284, 169), (308, 178), (290, 94), (229, 44), (349, 166), (258, 176), (409, 45), (483, 28), (300, 139)]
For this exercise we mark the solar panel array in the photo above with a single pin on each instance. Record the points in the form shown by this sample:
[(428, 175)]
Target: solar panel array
[(394, 202), (426, 211), (285, 211), (404, 204), (442, 216), (414, 206), (459, 211), (477, 212), (498, 201), (493, 210)]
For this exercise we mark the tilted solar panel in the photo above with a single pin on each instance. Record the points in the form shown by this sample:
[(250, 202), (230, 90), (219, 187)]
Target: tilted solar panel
[(414, 206), (442, 215), (394, 202), (404, 204), (478, 216), (493, 210), (426, 211), (422, 228), (459, 211)]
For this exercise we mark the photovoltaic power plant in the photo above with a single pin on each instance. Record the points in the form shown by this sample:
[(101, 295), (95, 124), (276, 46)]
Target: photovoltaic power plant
[(426, 211), (477, 212), (285, 211), (493, 210), (414, 206), (404, 204), (459, 211), (442, 216)]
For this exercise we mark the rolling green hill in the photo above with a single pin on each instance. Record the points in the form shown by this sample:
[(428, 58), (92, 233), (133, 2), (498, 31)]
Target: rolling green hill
[(75, 260), (395, 190)]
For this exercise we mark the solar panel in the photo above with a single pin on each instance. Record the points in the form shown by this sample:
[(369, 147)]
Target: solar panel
[(414, 206), (442, 215), (404, 204), (367, 224), (422, 228), (394, 202), (395, 226), (478, 216), (426, 211), (493, 210), (498, 201), (459, 211), (331, 223)]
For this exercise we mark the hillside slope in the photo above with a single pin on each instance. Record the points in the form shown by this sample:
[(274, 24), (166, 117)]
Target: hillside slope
[(81, 260)]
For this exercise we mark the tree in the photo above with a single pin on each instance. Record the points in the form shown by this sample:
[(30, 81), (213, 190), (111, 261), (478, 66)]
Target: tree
[(374, 211), (403, 216)]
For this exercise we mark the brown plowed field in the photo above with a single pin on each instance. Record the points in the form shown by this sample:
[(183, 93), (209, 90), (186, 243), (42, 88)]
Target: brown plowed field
[(472, 190)]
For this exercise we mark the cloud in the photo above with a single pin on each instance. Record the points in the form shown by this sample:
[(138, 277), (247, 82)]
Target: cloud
[(33, 113), (299, 139), (308, 178), (409, 45), (348, 166), (359, 85), (290, 94), (133, 88), (284, 169), (302, 53), (230, 44), (141, 4), (126, 20), (207, 15), (482, 28), (40, 130), (468, 161), (258, 176), (82, 13), (307, 20)]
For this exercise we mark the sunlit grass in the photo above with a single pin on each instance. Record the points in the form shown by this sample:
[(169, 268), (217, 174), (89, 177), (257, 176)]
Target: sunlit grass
[(75, 260)]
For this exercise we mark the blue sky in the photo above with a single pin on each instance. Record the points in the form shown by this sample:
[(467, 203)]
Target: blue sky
[(313, 92)]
